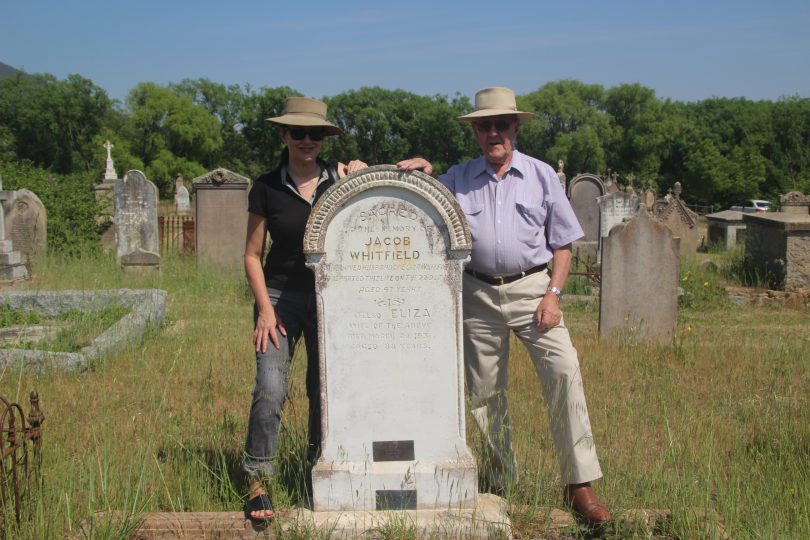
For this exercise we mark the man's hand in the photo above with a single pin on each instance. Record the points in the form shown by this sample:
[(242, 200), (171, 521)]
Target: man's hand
[(548, 313), (416, 164)]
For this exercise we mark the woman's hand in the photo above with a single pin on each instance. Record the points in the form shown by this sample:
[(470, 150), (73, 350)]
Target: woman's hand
[(416, 164), (265, 330), (353, 166)]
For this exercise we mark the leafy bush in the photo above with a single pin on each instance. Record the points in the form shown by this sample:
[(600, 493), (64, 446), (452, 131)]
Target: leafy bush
[(69, 201)]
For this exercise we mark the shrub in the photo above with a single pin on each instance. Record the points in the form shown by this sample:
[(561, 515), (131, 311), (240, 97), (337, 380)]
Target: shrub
[(69, 201)]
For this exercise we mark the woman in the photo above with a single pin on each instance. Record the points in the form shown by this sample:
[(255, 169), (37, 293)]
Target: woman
[(284, 310)]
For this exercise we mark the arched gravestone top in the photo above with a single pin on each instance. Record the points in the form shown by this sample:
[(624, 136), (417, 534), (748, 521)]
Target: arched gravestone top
[(387, 176), (583, 191), (388, 249), (136, 223)]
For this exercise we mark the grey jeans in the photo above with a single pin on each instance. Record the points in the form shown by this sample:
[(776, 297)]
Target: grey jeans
[(297, 311)]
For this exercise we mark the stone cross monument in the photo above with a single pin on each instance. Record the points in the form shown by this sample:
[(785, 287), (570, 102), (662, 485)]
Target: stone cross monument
[(109, 170)]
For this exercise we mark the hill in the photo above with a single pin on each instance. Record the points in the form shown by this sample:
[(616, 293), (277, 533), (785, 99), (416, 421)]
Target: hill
[(7, 71)]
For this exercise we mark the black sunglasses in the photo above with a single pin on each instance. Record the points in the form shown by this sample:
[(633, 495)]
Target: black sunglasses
[(315, 134), (485, 126)]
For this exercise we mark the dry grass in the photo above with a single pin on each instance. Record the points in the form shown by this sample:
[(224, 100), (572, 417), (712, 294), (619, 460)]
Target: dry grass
[(718, 420)]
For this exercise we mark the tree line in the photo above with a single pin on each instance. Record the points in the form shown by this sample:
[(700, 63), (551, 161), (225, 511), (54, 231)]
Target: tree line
[(722, 150)]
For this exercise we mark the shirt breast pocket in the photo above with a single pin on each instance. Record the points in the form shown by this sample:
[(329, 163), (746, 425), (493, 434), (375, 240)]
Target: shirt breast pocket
[(472, 212), (531, 224)]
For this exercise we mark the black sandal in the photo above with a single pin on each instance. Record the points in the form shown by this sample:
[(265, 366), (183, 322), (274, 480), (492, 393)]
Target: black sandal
[(259, 503)]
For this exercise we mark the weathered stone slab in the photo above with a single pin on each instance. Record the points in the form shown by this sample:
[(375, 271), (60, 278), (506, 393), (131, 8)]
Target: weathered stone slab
[(147, 308), (136, 223), (221, 208), (777, 248), (583, 191), (489, 519), (542, 522), (639, 293), (388, 249)]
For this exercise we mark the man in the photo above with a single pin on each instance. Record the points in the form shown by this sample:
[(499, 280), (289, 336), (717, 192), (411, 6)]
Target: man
[(521, 221)]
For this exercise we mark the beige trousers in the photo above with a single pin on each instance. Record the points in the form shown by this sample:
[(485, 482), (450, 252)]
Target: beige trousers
[(490, 312)]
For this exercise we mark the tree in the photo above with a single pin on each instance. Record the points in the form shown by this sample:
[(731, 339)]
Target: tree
[(167, 130), (52, 123), (263, 142), (569, 125), (227, 104)]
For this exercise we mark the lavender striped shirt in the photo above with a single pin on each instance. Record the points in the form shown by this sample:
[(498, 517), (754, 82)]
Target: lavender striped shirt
[(516, 222)]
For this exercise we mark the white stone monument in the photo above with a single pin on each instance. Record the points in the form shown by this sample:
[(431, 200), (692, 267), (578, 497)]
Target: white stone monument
[(388, 249), (109, 170)]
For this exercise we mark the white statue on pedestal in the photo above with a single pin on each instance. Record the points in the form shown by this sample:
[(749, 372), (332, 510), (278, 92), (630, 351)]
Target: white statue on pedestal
[(109, 171)]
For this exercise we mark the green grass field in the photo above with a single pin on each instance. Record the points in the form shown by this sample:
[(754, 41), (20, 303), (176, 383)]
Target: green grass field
[(718, 420)]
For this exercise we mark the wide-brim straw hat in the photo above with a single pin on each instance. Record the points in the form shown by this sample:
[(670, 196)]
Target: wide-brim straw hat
[(305, 112), (496, 101)]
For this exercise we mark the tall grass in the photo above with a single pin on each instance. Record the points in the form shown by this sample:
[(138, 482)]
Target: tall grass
[(717, 420)]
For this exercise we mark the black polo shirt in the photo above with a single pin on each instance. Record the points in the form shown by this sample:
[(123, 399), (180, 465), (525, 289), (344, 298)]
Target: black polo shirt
[(287, 214)]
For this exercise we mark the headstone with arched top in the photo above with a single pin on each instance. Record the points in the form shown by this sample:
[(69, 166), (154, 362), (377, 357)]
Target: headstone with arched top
[(388, 250)]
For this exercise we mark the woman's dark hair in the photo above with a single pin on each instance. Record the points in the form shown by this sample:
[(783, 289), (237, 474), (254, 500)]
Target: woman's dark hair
[(285, 156)]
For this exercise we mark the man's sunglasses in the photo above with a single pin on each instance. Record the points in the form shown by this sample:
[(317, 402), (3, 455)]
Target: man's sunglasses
[(315, 134), (485, 126)]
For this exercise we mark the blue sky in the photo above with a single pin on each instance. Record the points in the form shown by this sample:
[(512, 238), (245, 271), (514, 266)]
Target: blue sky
[(686, 50)]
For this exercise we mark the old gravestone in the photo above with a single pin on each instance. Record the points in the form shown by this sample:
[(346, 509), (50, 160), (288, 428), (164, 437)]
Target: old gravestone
[(683, 222), (26, 225), (105, 219), (136, 223), (221, 208), (388, 249), (12, 267), (639, 293), (795, 202), (583, 191), (725, 229), (182, 199), (615, 208), (777, 248)]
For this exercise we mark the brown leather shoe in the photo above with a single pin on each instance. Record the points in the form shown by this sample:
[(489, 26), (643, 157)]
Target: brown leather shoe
[(586, 506)]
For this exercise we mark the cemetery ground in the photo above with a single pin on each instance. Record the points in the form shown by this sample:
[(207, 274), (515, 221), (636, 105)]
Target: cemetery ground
[(717, 421)]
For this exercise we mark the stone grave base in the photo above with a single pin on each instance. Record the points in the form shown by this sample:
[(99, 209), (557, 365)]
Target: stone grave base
[(488, 520)]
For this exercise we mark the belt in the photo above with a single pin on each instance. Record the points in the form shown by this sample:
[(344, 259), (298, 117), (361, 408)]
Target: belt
[(502, 280)]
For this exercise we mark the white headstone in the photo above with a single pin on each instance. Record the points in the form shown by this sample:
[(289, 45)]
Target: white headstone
[(182, 200), (615, 208), (388, 249)]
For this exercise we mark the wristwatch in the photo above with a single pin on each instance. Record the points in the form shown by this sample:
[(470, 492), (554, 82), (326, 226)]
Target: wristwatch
[(556, 291)]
